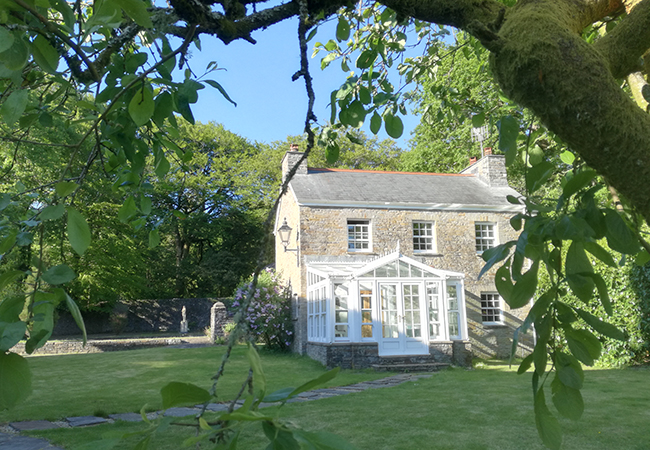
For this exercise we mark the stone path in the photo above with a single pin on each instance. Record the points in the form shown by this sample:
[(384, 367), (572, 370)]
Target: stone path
[(10, 439)]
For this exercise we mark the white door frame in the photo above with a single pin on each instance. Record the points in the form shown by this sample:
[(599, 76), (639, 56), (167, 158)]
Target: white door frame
[(399, 344)]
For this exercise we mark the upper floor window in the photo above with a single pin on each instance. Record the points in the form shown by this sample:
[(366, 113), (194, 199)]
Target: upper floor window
[(491, 308), (485, 236), (358, 235), (423, 237)]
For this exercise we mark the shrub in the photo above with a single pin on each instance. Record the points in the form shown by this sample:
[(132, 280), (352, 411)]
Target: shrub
[(268, 316)]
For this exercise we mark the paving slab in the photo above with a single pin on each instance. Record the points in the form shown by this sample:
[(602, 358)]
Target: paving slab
[(85, 421), (217, 407), (17, 442), (33, 425), (181, 412), (126, 417)]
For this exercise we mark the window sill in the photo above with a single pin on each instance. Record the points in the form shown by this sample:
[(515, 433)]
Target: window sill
[(431, 254), (494, 325)]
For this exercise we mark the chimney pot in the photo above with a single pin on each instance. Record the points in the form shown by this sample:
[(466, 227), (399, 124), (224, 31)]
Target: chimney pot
[(293, 147), (472, 159), (487, 151)]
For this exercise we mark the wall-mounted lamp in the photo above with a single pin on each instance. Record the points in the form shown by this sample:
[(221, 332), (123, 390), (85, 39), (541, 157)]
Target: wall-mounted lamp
[(285, 234)]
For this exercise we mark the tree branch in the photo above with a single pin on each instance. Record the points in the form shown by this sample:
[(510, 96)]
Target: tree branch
[(624, 46)]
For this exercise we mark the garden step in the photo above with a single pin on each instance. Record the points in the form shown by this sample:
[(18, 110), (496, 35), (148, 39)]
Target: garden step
[(413, 367)]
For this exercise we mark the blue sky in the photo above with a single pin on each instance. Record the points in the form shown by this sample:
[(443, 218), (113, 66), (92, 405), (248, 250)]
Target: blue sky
[(258, 77)]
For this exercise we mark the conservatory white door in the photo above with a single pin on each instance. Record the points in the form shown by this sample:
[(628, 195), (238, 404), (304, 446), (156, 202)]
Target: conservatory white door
[(402, 311)]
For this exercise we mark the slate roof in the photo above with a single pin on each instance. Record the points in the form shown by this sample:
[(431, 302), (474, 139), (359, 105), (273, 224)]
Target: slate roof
[(400, 190)]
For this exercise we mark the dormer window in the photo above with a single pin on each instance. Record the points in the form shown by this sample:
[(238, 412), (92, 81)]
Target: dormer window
[(359, 236)]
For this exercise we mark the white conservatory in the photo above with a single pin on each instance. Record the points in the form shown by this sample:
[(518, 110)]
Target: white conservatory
[(402, 305)]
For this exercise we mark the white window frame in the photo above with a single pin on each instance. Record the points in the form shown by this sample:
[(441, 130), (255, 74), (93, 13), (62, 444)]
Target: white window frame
[(353, 240), (428, 239), (492, 308), (482, 239)]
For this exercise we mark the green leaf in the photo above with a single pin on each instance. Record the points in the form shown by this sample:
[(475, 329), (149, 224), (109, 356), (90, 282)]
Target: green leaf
[(540, 354), (311, 384), (322, 440), (16, 56), (603, 294), (600, 253), (332, 152), (548, 427), (59, 274), (508, 132), (375, 123), (137, 10), (353, 115), (154, 238), (162, 166), (9, 277), (503, 282), (11, 308), (78, 231), (578, 267), (259, 379), (14, 106), (538, 175), (142, 106), (342, 29), (76, 314), (584, 346), (279, 395), (493, 255), (220, 88), (11, 333), (525, 288), (478, 120), (577, 182), (6, 39), (127, 210), (65, 188), (5, 200), (642, 258), (176, 393), (44, 54), (567, 157), (567, 401), (525, 364), (569, 370), (619, 236), (394, 126), (145, 205), (52, 212), (602, 327), (366, 59), (15, 380), (42, 326)]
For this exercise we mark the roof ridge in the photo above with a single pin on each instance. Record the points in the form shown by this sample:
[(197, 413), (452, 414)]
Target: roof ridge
[(324, 169)]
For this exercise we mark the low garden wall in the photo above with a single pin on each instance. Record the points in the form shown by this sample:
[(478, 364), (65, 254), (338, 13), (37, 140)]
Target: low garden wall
[(141, 316)]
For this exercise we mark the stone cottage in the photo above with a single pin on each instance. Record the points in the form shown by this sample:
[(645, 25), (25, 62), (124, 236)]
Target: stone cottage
[(384, 265)]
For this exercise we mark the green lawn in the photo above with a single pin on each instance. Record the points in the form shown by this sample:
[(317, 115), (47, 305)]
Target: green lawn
[(118, 382), (489, 408)]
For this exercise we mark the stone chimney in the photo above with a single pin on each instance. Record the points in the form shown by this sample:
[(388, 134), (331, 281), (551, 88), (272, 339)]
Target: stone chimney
[(490, 169), (290, 159)]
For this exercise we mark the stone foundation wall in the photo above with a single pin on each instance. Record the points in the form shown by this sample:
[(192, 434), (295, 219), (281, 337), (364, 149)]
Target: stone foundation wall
[(365, 354)]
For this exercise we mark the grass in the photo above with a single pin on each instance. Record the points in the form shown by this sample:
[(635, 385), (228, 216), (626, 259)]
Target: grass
[(487, 409), (118, 382)]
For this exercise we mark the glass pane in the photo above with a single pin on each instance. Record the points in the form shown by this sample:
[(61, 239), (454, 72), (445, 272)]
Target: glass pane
[(341, 316), (341, 331), (366, 317), (453, 303), (451, 290), (391, 269), (341, 302), (434, 330), (416, 271), (366, 331), (381, 272), (453, 324), (404, 270)]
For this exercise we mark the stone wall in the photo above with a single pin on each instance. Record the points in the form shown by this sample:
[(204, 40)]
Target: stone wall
[(362, 355), (141, 316)]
